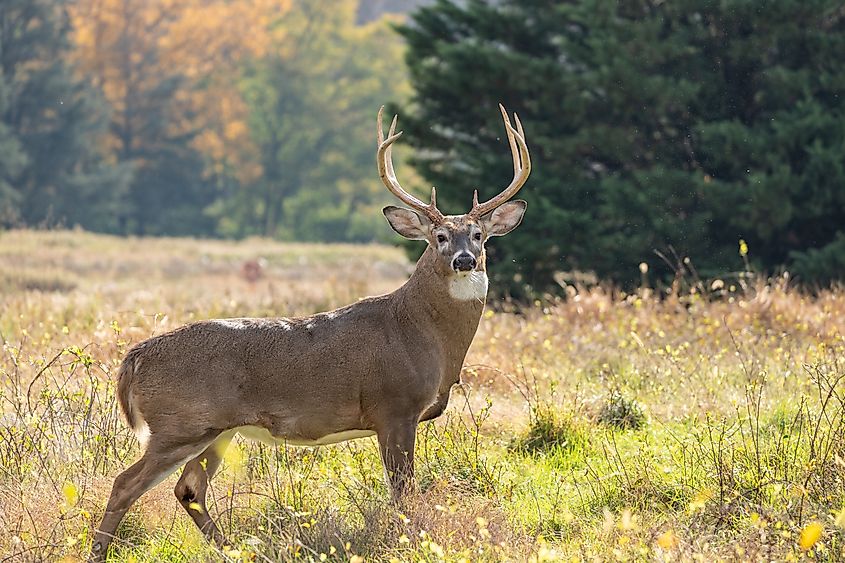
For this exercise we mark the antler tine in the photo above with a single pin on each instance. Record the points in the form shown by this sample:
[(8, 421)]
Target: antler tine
[(388, 155), (388, 176), (511, 140), (521, 167)]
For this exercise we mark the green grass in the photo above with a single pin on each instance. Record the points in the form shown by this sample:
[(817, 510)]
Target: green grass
[(604, 427)]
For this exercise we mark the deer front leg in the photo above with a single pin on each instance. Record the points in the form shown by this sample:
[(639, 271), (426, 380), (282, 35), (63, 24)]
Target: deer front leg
[(396, 443)]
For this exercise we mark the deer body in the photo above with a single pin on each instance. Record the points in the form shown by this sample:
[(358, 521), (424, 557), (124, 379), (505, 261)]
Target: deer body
[(377, 367), (304, 381)]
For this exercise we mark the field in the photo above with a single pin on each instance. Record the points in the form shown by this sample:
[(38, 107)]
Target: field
[(701, 425)]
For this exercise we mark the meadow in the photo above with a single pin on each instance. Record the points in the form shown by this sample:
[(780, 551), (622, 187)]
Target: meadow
[(700, 423)]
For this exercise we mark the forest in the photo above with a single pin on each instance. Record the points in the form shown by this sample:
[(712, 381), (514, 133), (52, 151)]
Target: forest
[(201, 118), (666, 137)]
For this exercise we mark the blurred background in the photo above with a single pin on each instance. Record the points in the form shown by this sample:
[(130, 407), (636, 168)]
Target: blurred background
[(691, 138)]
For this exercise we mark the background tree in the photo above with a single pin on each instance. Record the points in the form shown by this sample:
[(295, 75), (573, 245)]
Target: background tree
[(162, 66), (312, 103), (672, 126), (243, 118), (50, 169)]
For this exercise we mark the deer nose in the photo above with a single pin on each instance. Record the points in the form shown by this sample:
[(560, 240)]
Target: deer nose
[(463, 262)]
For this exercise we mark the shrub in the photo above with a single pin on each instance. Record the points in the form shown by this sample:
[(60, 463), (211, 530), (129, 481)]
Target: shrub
[(621, 412), (549, 430)]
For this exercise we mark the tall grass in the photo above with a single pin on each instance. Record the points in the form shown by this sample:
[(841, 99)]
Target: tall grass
[(701, 425)]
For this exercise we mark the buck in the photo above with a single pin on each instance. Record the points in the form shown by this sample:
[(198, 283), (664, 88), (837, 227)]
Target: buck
[(377, 367)]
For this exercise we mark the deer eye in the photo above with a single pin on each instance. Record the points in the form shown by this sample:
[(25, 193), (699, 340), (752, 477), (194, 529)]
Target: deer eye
[(441, 238), (477, 236)]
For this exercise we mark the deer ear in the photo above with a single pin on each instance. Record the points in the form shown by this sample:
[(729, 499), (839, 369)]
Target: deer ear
[(407, 223), (504, 218)]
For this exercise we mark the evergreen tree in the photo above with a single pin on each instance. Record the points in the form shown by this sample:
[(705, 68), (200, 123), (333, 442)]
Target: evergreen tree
[(679, 127), (50, 172)]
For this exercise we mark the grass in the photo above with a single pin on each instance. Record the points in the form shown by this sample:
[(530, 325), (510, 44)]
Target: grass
[(607, 426)]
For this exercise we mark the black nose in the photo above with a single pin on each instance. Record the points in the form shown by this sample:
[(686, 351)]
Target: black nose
[(463, 262)]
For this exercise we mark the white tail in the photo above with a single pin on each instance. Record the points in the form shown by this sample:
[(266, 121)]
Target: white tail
[(377, 367)]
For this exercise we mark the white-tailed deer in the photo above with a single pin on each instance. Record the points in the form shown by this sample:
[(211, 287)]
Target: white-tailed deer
[(377, 367)]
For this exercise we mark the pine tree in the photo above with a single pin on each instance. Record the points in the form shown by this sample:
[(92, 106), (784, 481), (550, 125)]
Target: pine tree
[(677, 127), (50, 172)]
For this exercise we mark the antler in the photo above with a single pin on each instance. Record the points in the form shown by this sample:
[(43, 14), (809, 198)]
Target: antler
[(521, 168), (388, 176)]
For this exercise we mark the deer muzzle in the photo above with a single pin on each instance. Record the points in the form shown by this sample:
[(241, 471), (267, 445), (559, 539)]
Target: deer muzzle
[(464, 262)]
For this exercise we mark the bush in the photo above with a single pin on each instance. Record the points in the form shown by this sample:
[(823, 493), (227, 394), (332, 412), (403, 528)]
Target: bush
[(621, 412), (549, 430)]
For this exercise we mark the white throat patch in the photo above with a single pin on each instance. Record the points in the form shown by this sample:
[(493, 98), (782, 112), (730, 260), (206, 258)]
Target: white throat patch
[(469, 287)]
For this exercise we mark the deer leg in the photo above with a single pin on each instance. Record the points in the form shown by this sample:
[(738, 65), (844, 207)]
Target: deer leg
[(153, 467), (396, 443), (191, 488)]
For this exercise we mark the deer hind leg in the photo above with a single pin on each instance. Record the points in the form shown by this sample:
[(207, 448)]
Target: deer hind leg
[(193, 485), (154, 466)]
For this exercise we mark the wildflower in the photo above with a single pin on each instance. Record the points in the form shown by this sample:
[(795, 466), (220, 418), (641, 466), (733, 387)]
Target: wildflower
[(667, 540), (71, 494), (811, 534), (840, 519), (743, 248), (435, 549)]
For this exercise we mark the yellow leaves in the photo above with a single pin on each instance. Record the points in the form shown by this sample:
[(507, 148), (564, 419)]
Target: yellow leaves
[(667, 540), (70, 494), (200, 40), (811, 534), (700, 500), (356, 559)]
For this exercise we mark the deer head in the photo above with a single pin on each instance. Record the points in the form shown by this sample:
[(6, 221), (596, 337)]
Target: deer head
[(457, 240)]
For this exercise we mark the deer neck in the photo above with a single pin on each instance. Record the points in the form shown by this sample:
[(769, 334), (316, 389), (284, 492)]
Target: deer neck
[(434, 296)]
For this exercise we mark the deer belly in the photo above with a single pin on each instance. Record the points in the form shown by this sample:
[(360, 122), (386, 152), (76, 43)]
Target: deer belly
[(260, 434)]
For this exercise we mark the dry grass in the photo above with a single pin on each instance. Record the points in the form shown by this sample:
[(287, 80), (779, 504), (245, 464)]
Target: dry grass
[(740, 448)]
